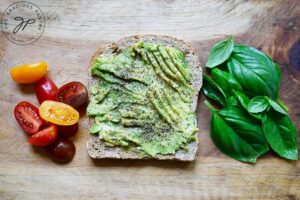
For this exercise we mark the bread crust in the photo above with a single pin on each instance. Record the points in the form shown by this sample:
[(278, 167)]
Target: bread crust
[(96, 148)]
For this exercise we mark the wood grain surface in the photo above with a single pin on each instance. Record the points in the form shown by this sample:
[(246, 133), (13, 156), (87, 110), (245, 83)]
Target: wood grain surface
[(75, 29)]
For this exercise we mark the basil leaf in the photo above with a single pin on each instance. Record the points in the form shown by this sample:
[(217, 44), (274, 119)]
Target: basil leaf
[(243, 99), (277, 107), (281, 134), (280, 102), (255, 71), (258, 105), (277, 69), (232, 102), (237, 134), (213, 91), (220, 52), (225, 80), (278, 72)]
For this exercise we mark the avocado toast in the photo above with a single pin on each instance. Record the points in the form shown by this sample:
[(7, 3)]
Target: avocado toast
[(143, 97)]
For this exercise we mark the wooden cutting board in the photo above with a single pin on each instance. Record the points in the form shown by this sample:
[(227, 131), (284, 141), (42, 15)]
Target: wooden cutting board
[(75, 29)]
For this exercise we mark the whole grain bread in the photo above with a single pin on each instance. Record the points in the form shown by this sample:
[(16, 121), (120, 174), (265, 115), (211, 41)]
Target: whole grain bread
[(96, 148)]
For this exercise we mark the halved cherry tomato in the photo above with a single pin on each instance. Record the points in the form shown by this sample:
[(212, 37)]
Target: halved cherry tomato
[(28, 117), (45, 89), (68, 131), (58, 113), (29, 73), (44, 137), (74, 94)]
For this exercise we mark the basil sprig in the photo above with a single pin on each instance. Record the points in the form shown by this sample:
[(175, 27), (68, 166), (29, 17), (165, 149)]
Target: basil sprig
[(253, 117)]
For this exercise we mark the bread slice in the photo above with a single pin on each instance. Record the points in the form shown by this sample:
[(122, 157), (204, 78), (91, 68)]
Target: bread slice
[(96, 148)]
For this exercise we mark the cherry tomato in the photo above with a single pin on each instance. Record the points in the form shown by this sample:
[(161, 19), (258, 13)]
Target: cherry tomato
[(74, 94), (58, 113), (27, 115), (44, 137), (45, 89), (68, 131), (62, 150), (29, 73)]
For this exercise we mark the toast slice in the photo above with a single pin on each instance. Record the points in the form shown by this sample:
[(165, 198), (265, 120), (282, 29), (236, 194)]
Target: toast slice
[(97, 148)]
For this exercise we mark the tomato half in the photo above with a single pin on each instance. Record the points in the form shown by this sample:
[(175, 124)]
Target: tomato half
[(29, 73), (27, 115), (74, 94), (68, 131), (45, 89), (44, 137), (58, 113)]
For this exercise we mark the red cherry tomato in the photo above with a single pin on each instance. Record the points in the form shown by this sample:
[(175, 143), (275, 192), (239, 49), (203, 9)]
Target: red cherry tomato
[(62, 151), (45, 89), (68, 131), (28, 117), (74, 93), (44, 137)]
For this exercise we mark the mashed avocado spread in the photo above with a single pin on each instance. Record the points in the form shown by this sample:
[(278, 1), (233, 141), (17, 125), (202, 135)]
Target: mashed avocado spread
[(142, 101)]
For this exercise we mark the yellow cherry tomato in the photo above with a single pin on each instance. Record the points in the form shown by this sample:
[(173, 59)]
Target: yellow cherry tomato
[(29, 73), (58, 113)]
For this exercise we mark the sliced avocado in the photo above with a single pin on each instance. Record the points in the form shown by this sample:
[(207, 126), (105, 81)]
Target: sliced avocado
[(142, 101)]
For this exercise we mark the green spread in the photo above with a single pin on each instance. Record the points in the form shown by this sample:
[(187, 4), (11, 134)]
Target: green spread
[(142, 101)]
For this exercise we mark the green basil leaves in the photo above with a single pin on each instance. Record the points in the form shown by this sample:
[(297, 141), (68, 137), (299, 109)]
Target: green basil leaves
[(225, 80), (254, 71), (258, 105), (220, 53), (212, 90), (253, 117), (237, 134), (277, 107), (281, 134), (261, 103)]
